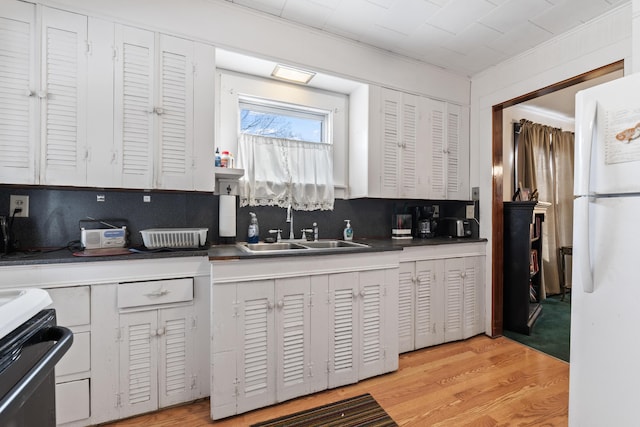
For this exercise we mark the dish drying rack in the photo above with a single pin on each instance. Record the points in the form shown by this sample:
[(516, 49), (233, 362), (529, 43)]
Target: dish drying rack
[(174, 237)]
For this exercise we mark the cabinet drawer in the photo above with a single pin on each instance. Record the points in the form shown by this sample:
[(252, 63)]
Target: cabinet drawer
[(155, 292), (78, 358), (72, 305), (72, 401)]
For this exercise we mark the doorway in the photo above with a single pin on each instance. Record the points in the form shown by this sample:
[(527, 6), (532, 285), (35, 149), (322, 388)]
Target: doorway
[(498, 181)]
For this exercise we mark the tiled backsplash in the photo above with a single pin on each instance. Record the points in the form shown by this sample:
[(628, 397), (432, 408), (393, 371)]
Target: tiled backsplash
[(54, 214)]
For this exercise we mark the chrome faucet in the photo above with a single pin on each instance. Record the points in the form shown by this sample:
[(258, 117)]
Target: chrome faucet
[(277, 232), (290, 221)]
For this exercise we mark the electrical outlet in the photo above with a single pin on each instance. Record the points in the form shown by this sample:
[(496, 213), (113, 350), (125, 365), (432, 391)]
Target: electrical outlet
[(470, 212), (19, 202)]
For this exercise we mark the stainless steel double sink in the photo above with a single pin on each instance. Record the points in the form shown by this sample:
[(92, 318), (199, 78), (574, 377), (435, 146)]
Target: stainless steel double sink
[(302, 246)]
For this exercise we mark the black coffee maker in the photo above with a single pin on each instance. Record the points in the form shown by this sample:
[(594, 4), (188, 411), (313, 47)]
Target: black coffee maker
[(425, 220)]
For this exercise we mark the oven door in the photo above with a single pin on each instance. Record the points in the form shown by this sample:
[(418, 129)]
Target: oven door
[(27, 382)]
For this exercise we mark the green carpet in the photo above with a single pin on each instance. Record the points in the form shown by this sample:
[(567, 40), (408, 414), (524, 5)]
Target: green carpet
[(551, 331)]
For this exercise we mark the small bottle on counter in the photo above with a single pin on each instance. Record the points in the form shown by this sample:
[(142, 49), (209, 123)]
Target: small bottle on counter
[(224, 159), (218, 162), (347, 234), (253, 232)]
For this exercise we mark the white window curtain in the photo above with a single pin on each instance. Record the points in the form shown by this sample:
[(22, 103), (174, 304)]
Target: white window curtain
[(283, 172)]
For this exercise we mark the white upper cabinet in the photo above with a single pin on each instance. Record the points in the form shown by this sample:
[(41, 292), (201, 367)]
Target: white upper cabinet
[(101, 162), (134, 107), (186, 115), (407, 146), (400, 132), (88, 102), (448, 150), (387, 145), (164, 115), (44, 95), (64, 51), (18, 93)]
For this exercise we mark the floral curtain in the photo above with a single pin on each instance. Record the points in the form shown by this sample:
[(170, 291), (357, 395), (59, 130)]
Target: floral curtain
[(283, 172), (546, 164)]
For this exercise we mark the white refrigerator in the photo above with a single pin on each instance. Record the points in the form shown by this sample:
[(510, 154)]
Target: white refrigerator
[(604, 381)]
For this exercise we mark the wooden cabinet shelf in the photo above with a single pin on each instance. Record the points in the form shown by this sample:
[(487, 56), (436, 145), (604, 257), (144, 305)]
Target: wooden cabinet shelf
[(522, 266)]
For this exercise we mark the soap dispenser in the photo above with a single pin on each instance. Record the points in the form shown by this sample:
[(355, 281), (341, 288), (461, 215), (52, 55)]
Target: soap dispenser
[(253, 233), (348, 231)]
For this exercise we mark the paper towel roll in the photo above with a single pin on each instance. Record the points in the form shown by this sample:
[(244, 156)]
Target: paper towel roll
[(227, 216)]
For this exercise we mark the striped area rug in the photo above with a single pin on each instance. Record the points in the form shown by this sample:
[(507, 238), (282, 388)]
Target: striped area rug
[(356, 411)]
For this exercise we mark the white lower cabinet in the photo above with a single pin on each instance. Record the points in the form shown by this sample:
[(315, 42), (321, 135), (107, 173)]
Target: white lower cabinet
[(361, 326), (463, 298), (420, 304), (72, 372), (275, 340), (282, 337), (151, 349), (72, 402), (440, 300), (300, 316)]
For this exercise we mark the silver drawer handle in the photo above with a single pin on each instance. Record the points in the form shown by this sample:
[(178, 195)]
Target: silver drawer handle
[(158, 293)]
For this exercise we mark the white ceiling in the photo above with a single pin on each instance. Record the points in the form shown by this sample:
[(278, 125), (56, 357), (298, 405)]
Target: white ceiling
[(463, 36)]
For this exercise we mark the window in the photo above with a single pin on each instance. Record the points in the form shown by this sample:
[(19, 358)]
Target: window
[(278, 120), (325, 117), (286, 156)]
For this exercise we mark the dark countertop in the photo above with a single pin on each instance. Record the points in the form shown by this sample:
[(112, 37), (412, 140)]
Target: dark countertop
[(225, 252), (215, 252), (64, 255)]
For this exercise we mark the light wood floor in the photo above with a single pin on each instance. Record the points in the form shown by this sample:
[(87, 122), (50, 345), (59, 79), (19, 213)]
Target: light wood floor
[(477, 382)]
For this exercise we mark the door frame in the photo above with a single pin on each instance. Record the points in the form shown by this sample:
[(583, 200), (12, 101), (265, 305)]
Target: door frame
[(497, 220)]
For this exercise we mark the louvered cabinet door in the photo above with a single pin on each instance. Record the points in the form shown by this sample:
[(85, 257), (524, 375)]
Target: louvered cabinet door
[(18, 93), (429, 303), (344, 329), (372, 340), (449, 150), (391, 131), (177, 379), (437, 148), (300, 367), (134, 108), (64, 94), (408, 147), (454, 298), (138, 363), (175, 114), (473, 296), (256, 369), (406, 302), (457, 153)]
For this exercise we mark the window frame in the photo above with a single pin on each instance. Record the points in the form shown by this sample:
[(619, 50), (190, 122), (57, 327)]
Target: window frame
[(271, 106)]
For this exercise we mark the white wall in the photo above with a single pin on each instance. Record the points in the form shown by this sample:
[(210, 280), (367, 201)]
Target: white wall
[(592, 45), (237, 28)]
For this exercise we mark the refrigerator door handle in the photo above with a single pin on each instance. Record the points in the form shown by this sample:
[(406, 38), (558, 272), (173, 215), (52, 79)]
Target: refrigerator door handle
[(585, 132), (581, 243)]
